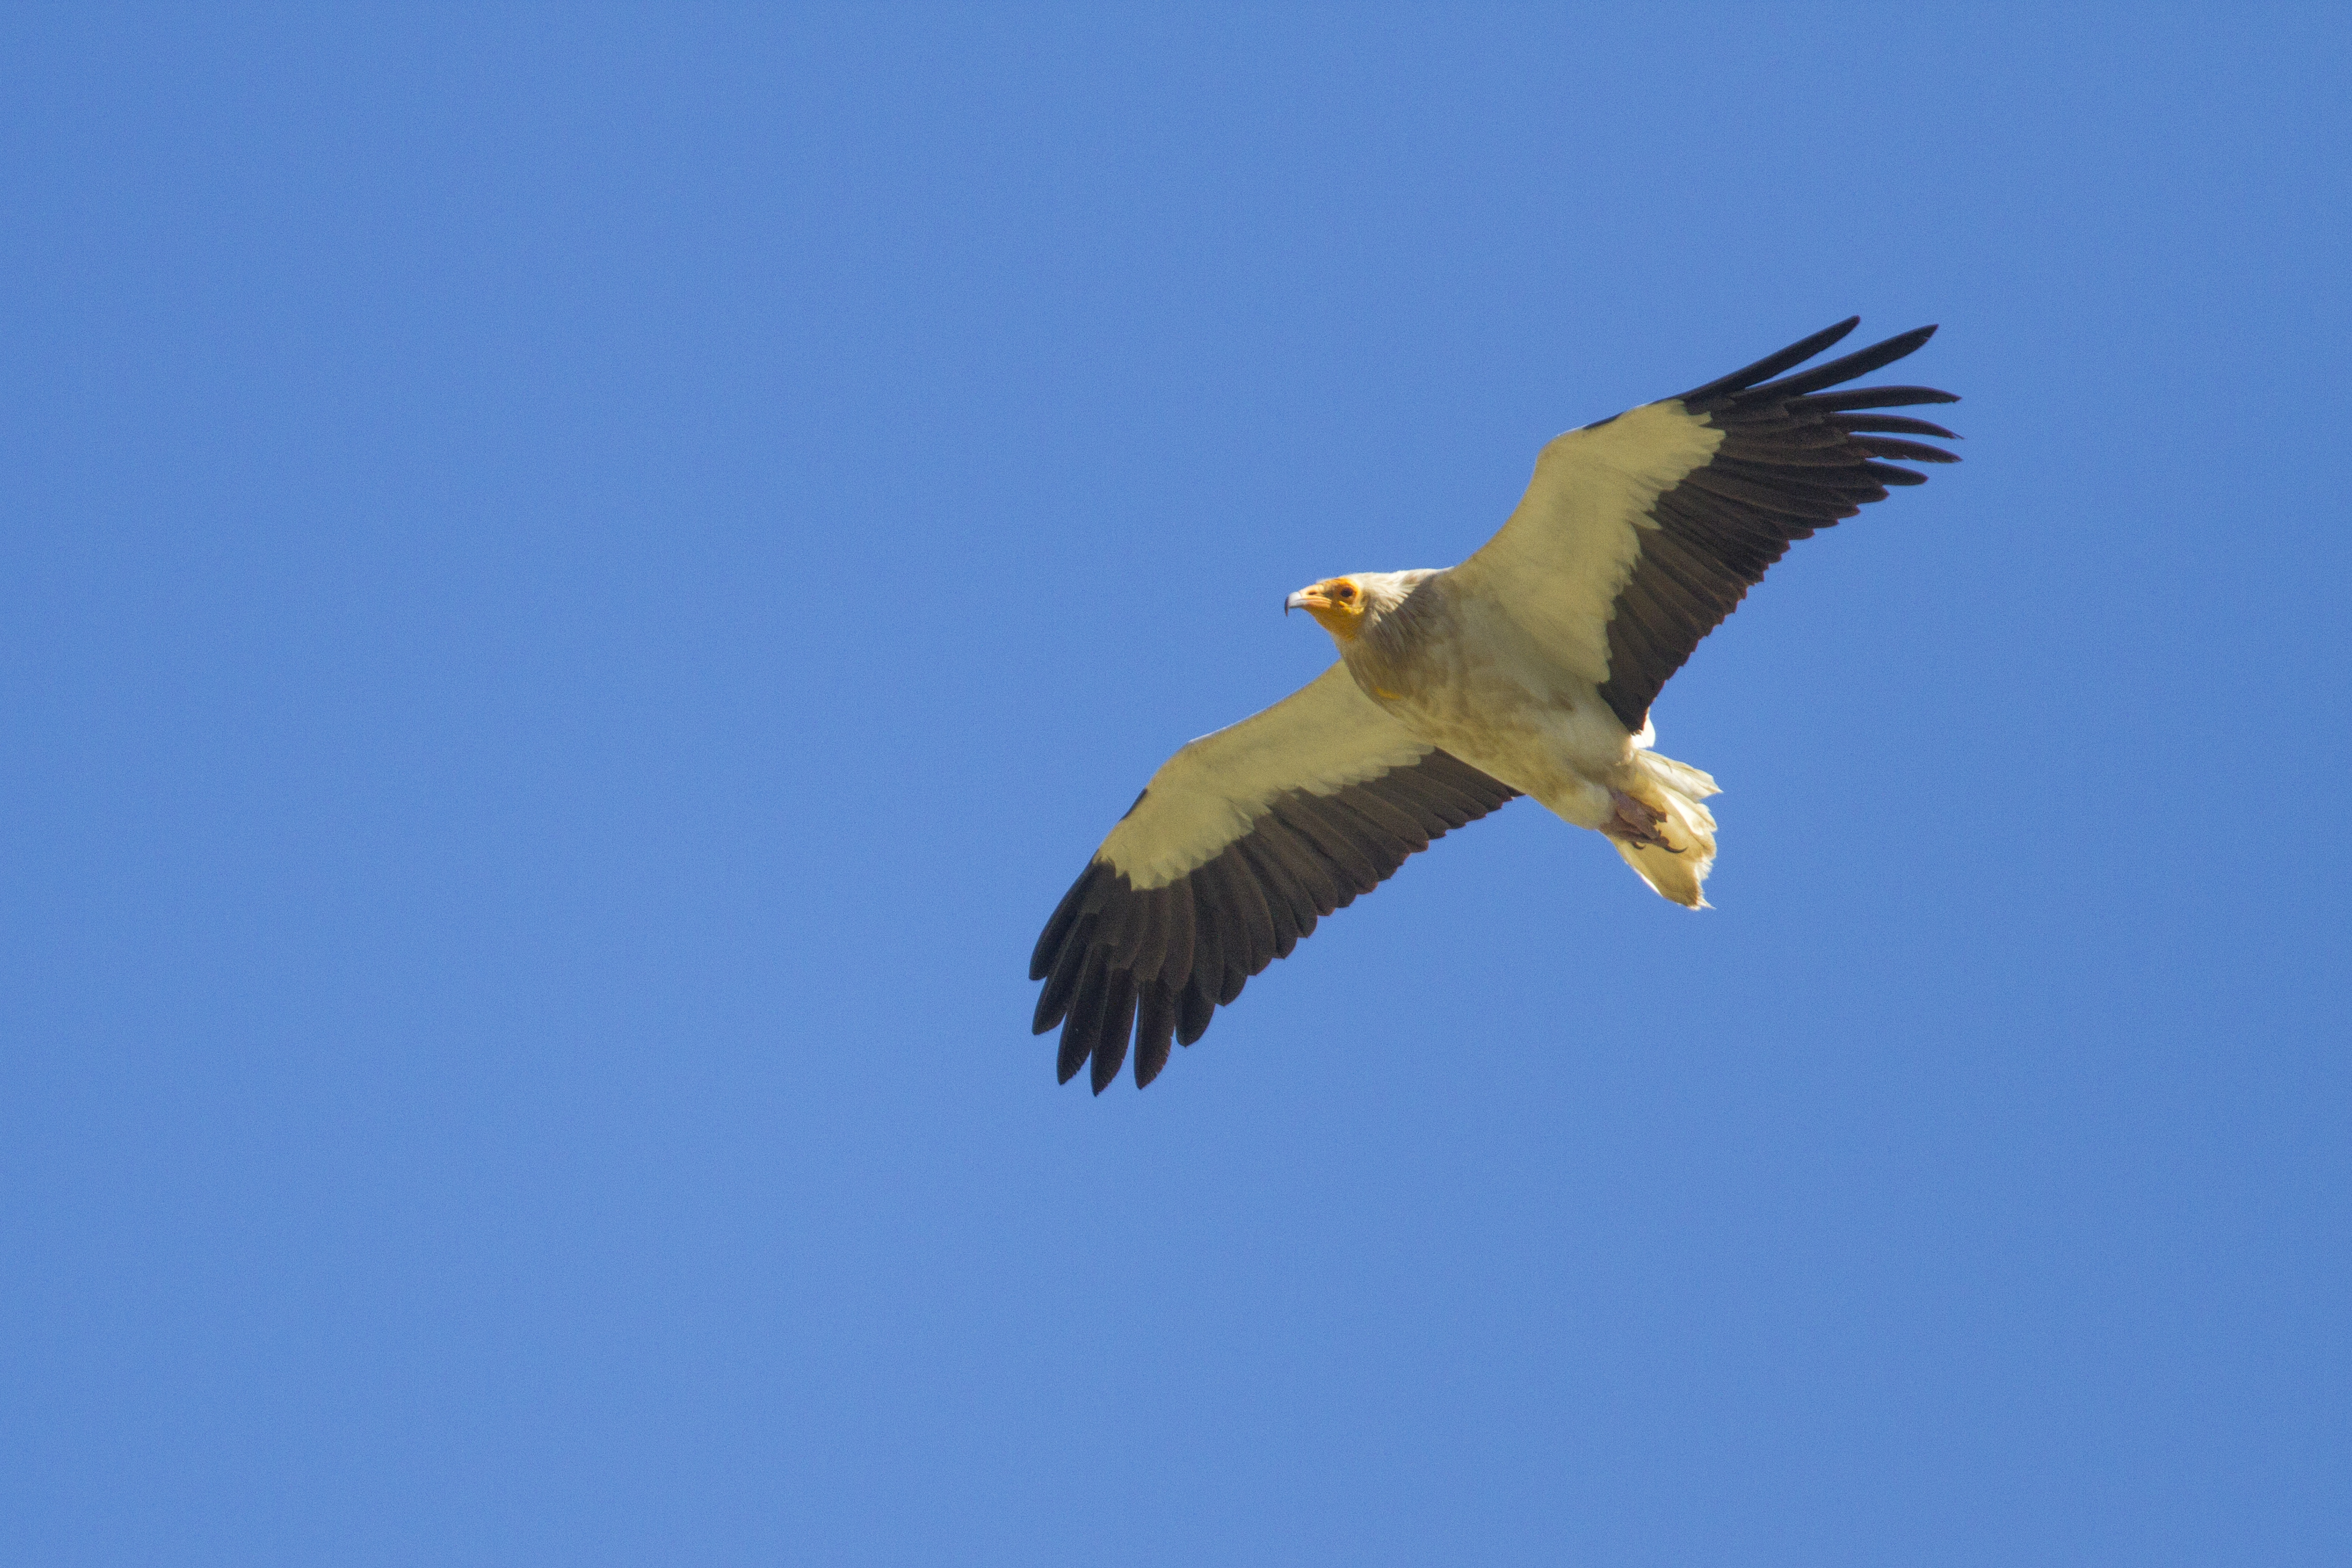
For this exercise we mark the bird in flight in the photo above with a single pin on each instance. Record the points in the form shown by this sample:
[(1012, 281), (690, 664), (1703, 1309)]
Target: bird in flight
[(1529, 669)]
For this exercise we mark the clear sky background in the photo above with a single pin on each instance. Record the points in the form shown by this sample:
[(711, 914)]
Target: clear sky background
[(574, 589)]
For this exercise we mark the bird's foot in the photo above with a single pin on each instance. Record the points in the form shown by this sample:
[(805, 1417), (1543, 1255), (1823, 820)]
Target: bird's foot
[(1636, 822)]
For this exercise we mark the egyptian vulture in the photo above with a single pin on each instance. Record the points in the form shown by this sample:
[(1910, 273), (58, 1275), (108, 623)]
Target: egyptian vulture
[(1526, 670)]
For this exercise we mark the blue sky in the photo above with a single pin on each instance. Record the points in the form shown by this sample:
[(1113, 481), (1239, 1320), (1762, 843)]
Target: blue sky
[(577, 585)]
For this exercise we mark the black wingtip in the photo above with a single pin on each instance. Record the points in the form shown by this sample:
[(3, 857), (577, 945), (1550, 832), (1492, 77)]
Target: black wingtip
[(1861, 362), (1107, 1062), (1065, 915), (1771, 365), (1862, 398), (1890, 424), (1155, 1031)]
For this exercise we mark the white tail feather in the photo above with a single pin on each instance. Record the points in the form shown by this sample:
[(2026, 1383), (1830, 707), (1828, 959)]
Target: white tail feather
[(1679, 870)]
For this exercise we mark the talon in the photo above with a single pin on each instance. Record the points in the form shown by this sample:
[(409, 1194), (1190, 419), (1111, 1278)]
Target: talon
[(1637, 822)]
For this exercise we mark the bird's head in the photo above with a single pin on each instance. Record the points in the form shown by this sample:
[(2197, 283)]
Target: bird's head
[(1337, 602)]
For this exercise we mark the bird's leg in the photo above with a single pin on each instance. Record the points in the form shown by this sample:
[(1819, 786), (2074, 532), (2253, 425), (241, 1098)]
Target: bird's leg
[(1636, 822)]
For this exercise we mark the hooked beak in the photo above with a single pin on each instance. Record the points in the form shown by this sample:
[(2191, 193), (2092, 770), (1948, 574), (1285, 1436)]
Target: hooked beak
[(1306, 599)]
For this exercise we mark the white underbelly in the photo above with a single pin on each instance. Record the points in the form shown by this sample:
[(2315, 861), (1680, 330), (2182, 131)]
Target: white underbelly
[(1565, 750), (1464, 676)]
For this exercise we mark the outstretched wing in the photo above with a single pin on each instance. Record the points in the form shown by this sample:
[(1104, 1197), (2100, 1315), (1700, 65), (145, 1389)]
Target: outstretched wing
[(1242, 841), (1638, 535)]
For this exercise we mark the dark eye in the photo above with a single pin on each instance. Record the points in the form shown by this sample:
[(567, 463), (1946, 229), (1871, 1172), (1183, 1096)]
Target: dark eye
[(1346, 591)]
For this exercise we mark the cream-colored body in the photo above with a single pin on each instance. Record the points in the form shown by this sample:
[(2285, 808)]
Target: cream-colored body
[(1457, 671), (1500, 659)]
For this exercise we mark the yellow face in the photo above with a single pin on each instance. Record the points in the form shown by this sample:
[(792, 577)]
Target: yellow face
[(1336, 601)]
